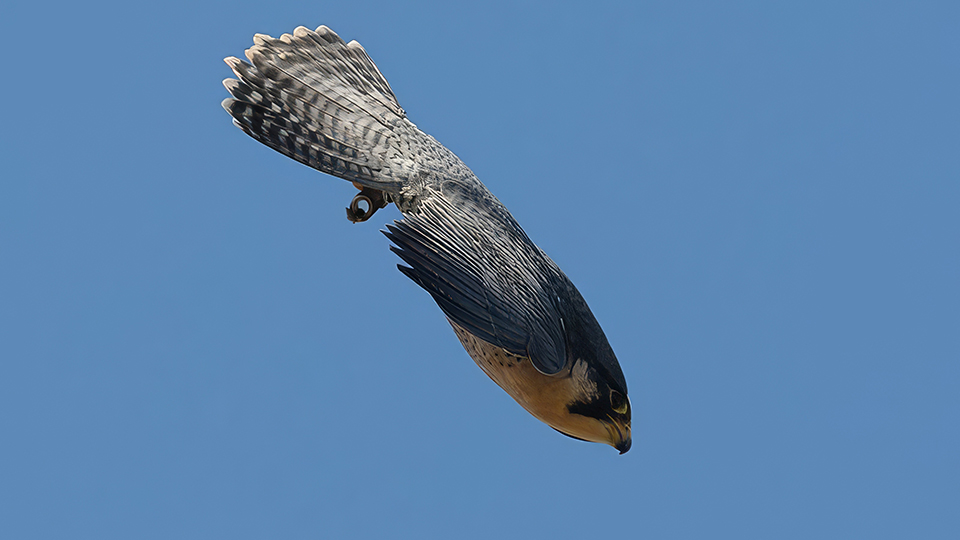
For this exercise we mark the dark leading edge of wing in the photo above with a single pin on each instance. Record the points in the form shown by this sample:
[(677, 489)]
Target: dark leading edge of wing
[(466, 300)]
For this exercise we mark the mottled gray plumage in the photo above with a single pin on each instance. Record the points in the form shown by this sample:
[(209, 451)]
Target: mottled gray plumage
[(324, 103)]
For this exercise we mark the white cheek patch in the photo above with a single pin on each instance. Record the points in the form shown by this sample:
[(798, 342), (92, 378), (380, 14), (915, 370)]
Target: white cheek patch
[(582, 384)]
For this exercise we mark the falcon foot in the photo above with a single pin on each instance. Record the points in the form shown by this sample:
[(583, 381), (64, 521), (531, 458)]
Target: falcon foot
[(373, 200)]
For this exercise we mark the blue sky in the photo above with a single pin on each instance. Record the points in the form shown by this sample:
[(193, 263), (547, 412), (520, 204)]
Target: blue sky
[(759, 200)]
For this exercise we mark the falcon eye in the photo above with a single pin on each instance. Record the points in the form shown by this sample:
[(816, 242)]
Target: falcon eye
[(617, 402)]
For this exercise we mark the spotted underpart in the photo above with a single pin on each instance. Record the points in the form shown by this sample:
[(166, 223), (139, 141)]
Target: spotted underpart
[(324, 103)]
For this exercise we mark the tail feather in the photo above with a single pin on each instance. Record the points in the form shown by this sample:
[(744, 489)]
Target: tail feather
[(274, 90), (292, 73), (356, 67), (304, 110), (322, 102), (310, 148)]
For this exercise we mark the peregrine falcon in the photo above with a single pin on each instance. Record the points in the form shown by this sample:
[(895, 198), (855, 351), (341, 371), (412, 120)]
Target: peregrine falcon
[(324, 103)]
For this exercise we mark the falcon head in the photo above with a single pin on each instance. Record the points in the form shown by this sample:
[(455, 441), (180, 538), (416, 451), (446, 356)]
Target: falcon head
[(597, 409)]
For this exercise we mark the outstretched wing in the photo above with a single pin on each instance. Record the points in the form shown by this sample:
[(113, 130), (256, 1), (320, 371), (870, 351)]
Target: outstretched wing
[(486, 278)]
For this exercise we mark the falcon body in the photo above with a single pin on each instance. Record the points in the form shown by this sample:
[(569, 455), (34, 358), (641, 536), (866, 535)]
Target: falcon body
[(323, 102)]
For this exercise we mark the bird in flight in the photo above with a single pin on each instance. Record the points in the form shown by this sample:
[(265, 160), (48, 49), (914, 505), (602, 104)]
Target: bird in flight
[(324, 103)]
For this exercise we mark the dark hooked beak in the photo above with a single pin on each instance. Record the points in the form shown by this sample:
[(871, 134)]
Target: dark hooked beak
[(621, 434)]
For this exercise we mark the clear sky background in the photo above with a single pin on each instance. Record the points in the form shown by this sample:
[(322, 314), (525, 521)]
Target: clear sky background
[(759, 200)]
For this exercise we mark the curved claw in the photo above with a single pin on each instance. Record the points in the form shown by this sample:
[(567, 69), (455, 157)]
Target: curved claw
[(375, 200)]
